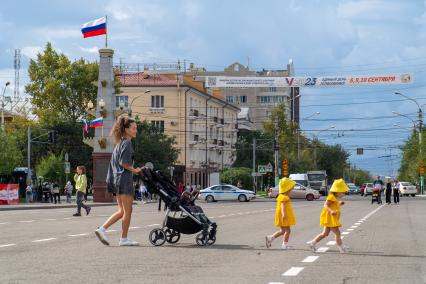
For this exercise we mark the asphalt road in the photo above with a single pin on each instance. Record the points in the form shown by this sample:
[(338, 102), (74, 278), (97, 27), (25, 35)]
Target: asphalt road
[(388, 245)]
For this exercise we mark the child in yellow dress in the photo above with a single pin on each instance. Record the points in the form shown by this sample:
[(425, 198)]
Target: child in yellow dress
[(330, 215), (284, 215)]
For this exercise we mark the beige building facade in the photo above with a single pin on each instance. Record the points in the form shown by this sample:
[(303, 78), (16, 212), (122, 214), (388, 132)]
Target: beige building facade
[(204, 125)]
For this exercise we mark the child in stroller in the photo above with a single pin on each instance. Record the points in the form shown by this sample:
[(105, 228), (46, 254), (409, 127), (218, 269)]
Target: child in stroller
[(182, 215)]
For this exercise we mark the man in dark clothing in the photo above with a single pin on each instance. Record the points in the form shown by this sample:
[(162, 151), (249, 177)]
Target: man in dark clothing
[(388, 191)]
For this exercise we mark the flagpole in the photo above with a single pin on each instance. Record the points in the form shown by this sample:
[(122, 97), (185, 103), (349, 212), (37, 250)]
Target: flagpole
[(106, 31)]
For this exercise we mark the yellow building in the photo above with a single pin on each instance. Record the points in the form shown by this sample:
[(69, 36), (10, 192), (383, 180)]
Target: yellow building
[(204, 125)]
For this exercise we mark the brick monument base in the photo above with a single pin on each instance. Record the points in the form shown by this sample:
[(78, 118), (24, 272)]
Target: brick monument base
[(100, 168)]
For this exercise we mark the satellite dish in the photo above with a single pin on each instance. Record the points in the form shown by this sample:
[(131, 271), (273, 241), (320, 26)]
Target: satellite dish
[(149, 165)]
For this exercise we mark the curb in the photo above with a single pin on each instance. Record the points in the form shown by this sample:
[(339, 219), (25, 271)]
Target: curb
[(31, 207)]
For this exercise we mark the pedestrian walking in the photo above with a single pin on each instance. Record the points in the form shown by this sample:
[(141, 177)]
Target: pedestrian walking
[(68, 191), (120, 179), (284, 215), (56, 193), (330, 215), (396, 191), (28, 193), (81, 187), (180, 187), (388, 191), (51, 187)]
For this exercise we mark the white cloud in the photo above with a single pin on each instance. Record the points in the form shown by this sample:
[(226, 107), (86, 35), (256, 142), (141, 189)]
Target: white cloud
[(94, 49), (31, 51)]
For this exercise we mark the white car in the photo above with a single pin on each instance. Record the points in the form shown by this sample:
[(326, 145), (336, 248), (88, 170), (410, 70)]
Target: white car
[(225, 192), (299, 191), (407, 188)]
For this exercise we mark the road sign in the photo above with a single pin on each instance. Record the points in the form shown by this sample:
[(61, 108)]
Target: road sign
[(285, 168), (67, 167), (66, 157), (265, 168)]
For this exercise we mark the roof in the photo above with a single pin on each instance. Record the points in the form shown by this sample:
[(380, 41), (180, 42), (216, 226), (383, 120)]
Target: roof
[(140, 79)]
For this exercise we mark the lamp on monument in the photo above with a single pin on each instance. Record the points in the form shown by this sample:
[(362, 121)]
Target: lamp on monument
[(90, 105), (102, 110), (121, 105)]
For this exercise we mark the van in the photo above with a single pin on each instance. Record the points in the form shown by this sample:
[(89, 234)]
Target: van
[(300, 179)]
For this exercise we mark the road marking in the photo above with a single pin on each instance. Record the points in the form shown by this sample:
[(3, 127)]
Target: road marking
[(293, 271), (353, 227), (322, 249), (7, 245), (357, 223), (346, 233), (276, 282), (152, 225), (349, 229), (79, 235), (68, 218), (311, 258), (48, 219), (221, 216), (28, 221), (109, 231), (331, 243), (4, 223), (134, 228), (43, 240)]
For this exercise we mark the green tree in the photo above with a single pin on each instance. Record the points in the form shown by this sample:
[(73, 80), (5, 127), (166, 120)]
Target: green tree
[(332, 158), (60, 89), (10, 155), (52, 168), (153, 146), (264, 149), (408, 170), (238, 175)]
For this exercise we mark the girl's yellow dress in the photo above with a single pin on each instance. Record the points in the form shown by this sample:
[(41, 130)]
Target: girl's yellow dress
[(326, 218), (290, 218)]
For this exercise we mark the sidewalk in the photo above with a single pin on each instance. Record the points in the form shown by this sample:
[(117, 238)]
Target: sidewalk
[(64, 204)]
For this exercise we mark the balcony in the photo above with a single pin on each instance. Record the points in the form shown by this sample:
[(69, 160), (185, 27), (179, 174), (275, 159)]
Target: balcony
[(220, 123), (156, 109), (194, 140), (221, 143)]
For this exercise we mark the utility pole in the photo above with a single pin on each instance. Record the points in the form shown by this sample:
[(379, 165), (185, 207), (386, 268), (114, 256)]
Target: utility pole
[(276, 148), (254, 165), (29, 156)]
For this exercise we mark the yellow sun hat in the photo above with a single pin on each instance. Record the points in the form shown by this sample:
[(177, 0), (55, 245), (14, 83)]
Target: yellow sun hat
[(286, 184), (339, 185)]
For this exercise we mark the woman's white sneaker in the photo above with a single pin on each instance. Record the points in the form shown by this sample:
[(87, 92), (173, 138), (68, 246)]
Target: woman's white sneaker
[(101, 234), (311, 245), (268, 241), (126, 242)]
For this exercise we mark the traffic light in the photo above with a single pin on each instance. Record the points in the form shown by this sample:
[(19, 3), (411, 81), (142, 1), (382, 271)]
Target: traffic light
[(285, 168)]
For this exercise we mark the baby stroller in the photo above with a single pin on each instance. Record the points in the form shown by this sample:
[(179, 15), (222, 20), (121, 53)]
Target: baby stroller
[(180, 217), (375, 196)]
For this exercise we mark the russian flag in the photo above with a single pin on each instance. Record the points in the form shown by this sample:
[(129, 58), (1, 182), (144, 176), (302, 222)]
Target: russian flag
[(94, 28), (84, 125), (98, 122)]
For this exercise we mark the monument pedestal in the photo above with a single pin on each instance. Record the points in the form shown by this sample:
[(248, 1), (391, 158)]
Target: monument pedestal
[(100, 169)]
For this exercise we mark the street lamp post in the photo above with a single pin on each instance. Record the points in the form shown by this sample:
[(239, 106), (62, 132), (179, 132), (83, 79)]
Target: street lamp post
[(131, 103), (420, 136), (2, 105), (316, 140), (298, 133)]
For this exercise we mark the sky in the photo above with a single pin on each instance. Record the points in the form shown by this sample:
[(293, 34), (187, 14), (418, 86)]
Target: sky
[(321, 37)]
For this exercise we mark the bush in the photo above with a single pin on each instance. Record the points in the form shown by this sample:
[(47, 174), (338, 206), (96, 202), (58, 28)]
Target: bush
[(52, 168), (238, 175)]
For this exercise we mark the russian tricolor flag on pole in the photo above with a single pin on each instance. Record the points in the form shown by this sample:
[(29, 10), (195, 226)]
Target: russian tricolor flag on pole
[(98, 122), (95, 27), (84, 125)]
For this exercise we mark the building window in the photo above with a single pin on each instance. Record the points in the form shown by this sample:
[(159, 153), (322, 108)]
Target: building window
[(158, 124), (243, 99), (157, 101), (119, 99), (270, 99), (272, 89), (229, 99)]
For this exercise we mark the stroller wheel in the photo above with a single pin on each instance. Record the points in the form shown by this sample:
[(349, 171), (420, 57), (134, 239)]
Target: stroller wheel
[(157, 237), (211, 240), (201, 239), (172, 236)]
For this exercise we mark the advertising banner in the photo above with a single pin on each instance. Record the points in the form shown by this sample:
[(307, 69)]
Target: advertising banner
[(328, 81), (9, 194)]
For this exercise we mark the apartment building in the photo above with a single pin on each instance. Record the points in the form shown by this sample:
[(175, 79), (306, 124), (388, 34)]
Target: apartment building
[(204, 125), (260, 101)]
